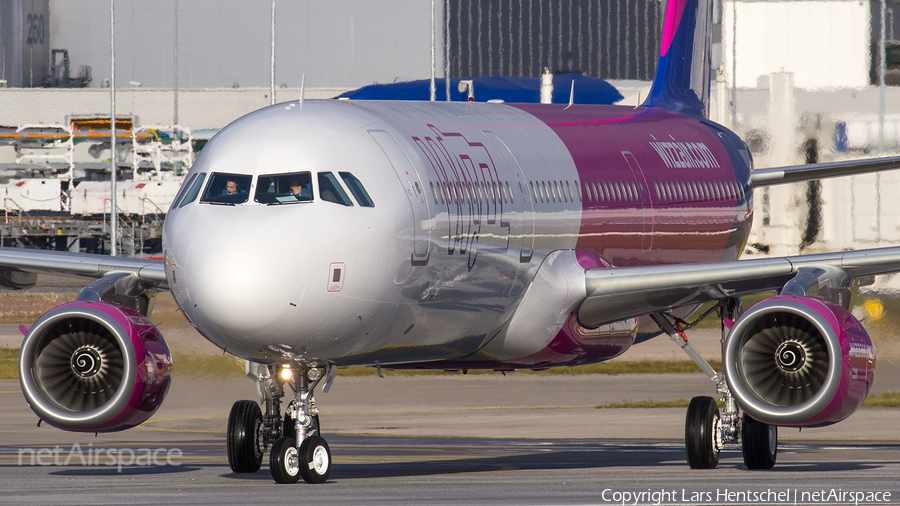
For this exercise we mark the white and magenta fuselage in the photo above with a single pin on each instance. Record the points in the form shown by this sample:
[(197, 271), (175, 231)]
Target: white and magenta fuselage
[(470, 201)]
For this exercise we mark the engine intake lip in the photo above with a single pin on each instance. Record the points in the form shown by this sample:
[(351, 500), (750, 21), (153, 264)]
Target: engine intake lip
[(40, 397), (742, 385)]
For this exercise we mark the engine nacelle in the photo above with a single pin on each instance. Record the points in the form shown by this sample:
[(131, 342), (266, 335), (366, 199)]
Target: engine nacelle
[(799, 361), (94, 366)]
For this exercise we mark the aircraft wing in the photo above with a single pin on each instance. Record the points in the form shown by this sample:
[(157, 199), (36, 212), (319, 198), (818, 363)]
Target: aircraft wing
[(619, 293), (18, 267), (795, 173)]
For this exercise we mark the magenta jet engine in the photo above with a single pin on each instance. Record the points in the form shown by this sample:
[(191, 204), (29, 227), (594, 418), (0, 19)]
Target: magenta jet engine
[(94, 366), (799, 361)]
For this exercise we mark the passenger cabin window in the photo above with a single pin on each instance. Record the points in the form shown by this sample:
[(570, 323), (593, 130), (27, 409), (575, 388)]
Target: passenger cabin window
[(330, 190), (357, 189), (228, 189), (284, 188)]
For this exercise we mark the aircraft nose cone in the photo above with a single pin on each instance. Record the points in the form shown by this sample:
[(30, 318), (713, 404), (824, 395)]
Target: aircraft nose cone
[(234, 283)]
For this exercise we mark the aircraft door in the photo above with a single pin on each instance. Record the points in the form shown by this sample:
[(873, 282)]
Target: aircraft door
[(411, 182), (522, 219), (646, 203)]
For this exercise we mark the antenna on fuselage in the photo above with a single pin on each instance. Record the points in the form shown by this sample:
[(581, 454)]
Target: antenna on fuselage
[(302, 89), (571, 95)]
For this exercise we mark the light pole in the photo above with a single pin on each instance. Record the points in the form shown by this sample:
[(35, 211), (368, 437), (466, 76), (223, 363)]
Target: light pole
[(882, 69), (431, 88), (175, 120), (447, 47), (114, 215), (272, 72)]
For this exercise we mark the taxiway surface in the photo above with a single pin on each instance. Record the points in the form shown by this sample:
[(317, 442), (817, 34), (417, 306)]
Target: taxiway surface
[(450, 440), (475, 439)]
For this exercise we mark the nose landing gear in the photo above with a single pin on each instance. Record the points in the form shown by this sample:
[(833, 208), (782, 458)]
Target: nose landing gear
[(298, 449), (302, 452), (315, 460), (284, 462)]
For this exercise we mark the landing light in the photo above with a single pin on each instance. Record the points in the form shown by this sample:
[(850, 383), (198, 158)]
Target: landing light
[(286, 372)]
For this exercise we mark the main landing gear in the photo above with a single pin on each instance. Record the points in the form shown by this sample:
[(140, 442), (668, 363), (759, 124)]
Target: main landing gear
[(246, 437), (297, 448), (707, 429)]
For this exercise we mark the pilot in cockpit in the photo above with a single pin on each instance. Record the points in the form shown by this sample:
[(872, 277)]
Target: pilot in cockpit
[(232, 187), (301, 191)]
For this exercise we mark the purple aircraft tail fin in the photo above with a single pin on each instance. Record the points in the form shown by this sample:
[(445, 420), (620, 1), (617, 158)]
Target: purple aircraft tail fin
[(683, 74)]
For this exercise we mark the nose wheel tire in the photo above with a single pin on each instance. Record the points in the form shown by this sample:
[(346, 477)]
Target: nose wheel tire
[(246, 444), (759, 442), (284, 461), (701, 433), (315, 460)]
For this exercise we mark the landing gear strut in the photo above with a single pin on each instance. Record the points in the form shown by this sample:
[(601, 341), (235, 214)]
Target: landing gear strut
[(706, 430), (301, 452)]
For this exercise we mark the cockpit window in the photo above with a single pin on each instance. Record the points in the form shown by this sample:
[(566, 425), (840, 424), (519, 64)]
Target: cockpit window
[(356, 188), (330, 190), (284, 188), (193, 189), (227, 189), (181, 191)]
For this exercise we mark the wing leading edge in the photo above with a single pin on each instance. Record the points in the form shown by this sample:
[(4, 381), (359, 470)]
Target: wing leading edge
[(620, 293), (796, 173), (29, 261)]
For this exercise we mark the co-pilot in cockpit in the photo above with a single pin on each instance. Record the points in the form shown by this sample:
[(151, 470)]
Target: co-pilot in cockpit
[(284, 188)]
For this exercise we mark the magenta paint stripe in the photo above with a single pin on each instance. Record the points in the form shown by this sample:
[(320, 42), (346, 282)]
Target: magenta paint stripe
[(674, 12), (655, 230)]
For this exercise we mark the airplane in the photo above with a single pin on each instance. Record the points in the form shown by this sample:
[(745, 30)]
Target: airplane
[(314, 235)]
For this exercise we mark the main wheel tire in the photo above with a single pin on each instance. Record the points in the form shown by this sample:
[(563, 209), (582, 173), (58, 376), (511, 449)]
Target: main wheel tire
[(315, 460), (246, 444), (759, 443), (700, 433), (284, 461)]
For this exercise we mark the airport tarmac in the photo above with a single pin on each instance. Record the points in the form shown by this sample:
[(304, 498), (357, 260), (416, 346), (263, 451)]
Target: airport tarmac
[(482, 439), (451, 439)]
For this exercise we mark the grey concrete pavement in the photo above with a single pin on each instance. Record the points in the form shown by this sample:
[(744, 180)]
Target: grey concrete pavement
[(491, 440)]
